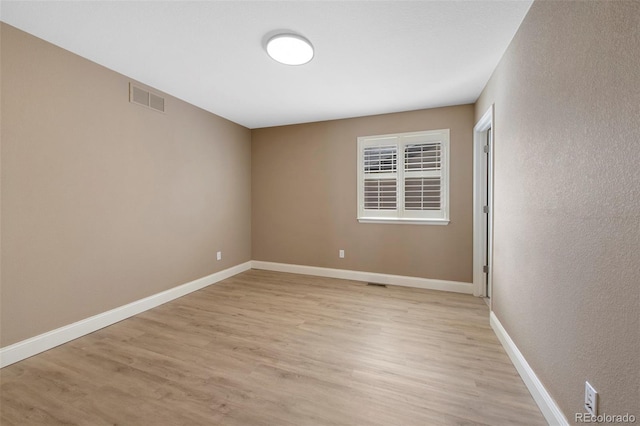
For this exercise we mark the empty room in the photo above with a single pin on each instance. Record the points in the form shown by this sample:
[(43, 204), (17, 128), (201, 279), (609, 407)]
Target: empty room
[(320, 212)]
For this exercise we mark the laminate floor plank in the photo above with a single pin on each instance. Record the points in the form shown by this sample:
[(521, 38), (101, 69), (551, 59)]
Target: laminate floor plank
[(270, 348)]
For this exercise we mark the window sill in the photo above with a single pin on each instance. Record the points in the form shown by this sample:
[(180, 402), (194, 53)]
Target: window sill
[(412, 221)]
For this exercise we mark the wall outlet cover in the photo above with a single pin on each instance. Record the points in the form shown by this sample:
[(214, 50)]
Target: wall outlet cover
[(590, 399)]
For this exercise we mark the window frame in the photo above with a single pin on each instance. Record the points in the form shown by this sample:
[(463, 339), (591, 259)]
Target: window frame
[(400, 214)]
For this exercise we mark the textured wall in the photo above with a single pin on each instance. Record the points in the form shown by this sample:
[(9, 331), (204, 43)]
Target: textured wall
[(305, 207), (105, 202), (567, 199)]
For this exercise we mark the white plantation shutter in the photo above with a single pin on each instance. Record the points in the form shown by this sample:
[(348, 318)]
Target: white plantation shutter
[(422, 193), (422, 176), (380, 159), (380, 194), (380, 180), (404, 177)]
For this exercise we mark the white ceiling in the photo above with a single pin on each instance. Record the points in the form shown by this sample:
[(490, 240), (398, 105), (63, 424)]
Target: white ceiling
[(371, 57)]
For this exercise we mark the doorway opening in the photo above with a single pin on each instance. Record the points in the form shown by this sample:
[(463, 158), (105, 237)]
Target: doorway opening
[(483, 205)]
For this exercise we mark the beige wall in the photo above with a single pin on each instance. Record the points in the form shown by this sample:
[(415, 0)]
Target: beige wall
[(105, 202), (304, 199), (567, 199)]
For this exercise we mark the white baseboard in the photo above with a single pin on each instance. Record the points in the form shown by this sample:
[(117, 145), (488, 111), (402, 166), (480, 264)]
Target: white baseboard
[(547, 405), (35, 345), (426, 283)]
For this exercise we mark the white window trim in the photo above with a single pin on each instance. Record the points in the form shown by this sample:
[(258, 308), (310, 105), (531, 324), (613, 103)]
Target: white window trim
[(404, 221), (398, 216)]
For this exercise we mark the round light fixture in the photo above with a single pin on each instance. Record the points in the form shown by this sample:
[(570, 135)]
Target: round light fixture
[(290, 49)]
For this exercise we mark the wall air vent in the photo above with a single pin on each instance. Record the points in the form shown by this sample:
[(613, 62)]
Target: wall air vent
[(156, 102), (140, 96)]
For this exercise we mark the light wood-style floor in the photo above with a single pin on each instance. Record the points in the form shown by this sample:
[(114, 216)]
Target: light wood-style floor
[(267, 348)]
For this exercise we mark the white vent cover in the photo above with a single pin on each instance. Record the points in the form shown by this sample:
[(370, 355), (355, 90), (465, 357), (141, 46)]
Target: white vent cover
[(140, 96), (156, 102)]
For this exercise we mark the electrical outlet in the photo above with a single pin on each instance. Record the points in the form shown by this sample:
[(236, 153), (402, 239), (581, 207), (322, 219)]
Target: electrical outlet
[(219, 255), (590, 399), (341, 254)]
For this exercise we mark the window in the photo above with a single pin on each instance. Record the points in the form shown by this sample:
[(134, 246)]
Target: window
[(404, 178)]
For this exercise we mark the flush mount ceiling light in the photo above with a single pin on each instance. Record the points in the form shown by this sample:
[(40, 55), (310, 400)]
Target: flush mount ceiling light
[(290, 49)]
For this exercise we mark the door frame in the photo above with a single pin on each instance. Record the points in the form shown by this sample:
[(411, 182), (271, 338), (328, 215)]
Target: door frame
[(482, 182)]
